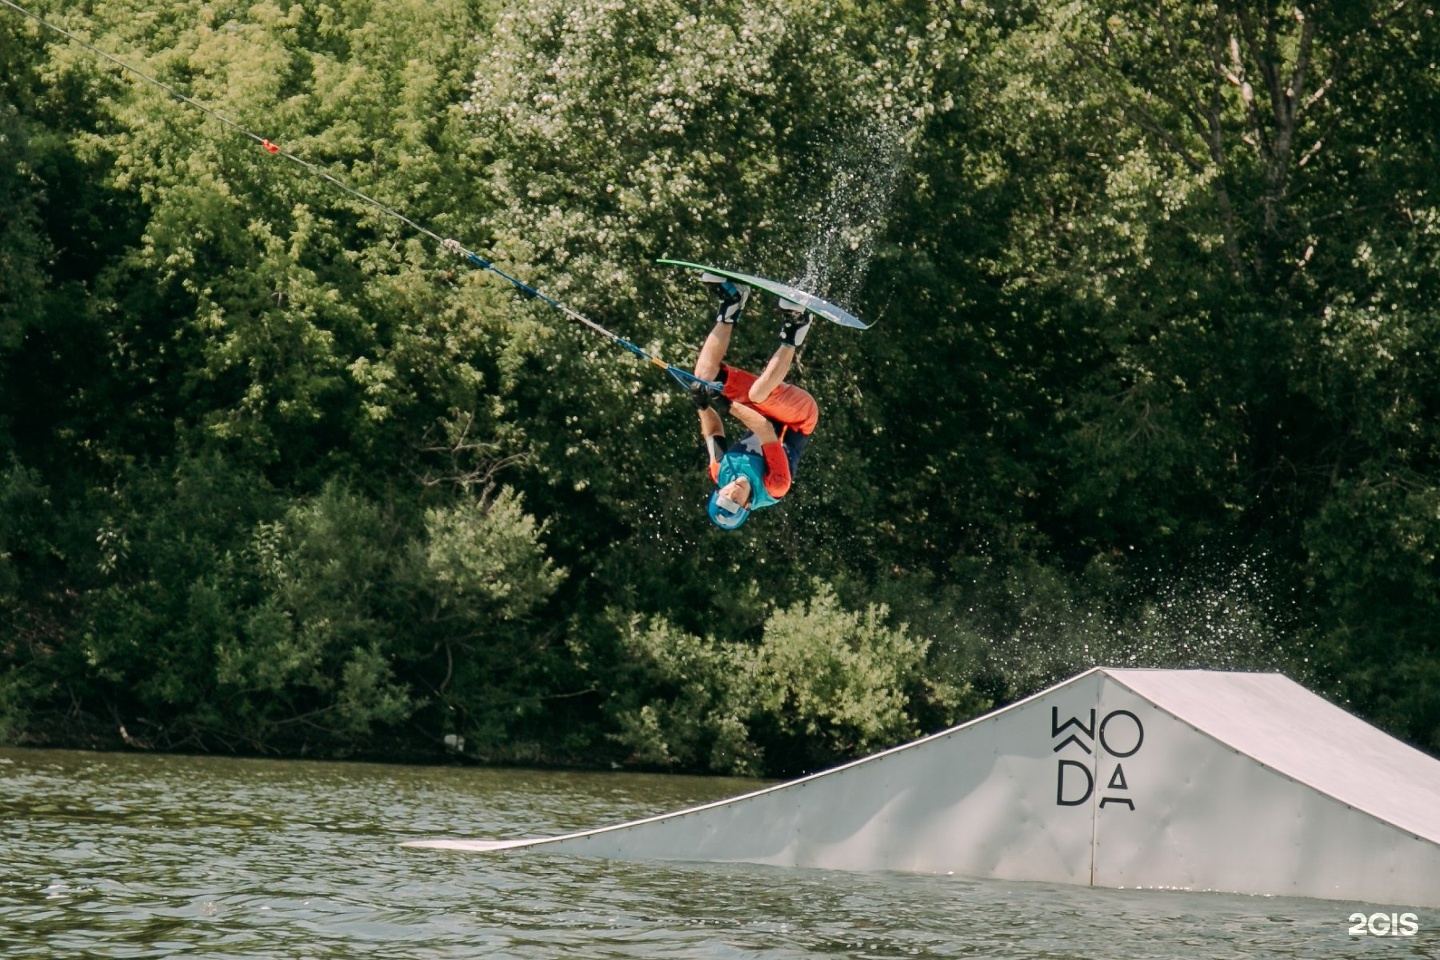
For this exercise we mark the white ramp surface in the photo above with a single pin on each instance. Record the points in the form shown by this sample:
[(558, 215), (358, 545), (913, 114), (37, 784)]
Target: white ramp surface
[(1171, 779)]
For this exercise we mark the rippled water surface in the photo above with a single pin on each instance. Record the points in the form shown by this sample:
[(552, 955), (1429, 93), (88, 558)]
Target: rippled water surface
[(119, 855)]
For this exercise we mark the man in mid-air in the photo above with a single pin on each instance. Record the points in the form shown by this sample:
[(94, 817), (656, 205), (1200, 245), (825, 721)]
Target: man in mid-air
[(778, 417)]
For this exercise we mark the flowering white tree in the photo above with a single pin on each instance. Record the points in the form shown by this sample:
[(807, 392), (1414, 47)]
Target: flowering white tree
[(623, 131)]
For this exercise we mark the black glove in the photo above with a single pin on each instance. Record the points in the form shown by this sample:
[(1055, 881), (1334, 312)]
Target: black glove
[(706, 397)]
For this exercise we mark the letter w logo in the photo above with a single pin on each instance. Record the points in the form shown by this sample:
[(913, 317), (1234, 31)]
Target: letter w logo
[(1057, 728)]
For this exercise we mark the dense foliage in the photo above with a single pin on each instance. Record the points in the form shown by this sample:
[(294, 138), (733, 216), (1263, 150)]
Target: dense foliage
[(1157, 292)]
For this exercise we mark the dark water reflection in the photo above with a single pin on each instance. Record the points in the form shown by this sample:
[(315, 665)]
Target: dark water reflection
[(105, 855)]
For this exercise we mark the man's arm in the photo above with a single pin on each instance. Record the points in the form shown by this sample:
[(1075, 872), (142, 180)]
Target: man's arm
[(712, 431), (777, 465), (755, 422)]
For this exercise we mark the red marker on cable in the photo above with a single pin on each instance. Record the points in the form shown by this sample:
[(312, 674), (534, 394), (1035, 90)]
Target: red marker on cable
[(269, 146)]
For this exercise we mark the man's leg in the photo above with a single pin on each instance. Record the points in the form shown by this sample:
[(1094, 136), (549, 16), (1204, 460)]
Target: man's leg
[(712, 352), (732, 300), (774, 373), (708, 364), (792, 334)]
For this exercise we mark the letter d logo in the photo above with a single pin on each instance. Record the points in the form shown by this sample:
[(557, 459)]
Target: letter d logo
[(1060, 783)]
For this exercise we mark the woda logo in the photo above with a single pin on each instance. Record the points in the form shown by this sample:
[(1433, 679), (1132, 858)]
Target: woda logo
[(1120, 734)]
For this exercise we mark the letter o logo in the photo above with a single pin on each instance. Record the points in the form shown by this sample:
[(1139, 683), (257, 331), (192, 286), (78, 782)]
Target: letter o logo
[(1138, 734)]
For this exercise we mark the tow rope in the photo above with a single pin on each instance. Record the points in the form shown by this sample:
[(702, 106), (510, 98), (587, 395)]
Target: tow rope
[(684, 377)]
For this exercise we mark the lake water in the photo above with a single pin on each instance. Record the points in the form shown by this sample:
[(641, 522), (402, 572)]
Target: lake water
[(124, 855)]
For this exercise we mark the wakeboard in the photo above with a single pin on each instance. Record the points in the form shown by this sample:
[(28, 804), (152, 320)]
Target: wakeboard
[(807, 301)]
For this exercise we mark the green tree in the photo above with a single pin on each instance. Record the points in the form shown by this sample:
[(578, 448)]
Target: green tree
[(823, 684), (478, 581), (1155, 284), (23, 246)]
